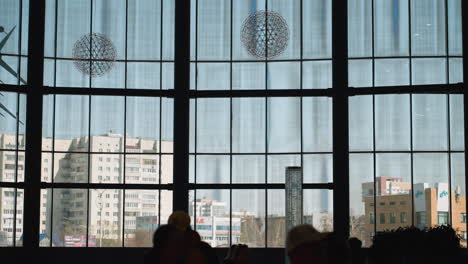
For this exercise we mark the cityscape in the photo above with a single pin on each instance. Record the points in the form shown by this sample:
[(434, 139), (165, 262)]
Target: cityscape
[(105, 215)]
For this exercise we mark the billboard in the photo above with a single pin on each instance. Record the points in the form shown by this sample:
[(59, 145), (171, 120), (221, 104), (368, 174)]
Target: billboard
[(79, 241)]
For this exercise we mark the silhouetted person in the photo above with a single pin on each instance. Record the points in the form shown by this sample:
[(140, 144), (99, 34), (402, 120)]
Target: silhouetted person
[(238, 254), (209, 253), (304, 244), (167, 246), (357, 256), (412, 245)]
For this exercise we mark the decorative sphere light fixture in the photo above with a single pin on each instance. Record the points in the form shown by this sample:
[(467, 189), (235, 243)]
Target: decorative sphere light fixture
[(265, 34), (94, 54)]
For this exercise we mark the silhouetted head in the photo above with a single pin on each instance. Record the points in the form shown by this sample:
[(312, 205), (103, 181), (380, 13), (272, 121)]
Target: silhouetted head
[(167, 244), (179, 219), (238, 254), (303, 245)]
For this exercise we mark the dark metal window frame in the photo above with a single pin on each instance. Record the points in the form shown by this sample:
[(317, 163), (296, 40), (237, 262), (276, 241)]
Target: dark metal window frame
[(339, 93)]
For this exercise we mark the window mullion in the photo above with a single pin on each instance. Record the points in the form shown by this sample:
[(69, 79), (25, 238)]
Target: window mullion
[(32, 179), (340, 118)]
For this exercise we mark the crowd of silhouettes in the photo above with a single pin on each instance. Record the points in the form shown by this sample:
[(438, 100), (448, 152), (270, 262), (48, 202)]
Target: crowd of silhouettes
[(177, 243)]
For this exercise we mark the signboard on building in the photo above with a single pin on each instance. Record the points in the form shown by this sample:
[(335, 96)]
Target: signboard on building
[(79, 241), (442, 197), (419, 190)]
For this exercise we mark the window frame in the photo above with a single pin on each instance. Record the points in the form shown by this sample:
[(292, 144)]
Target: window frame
[(340, 93)]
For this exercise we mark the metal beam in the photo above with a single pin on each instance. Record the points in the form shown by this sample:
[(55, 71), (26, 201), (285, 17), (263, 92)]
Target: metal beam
[(340, 119), (32, 189), (181, 104)]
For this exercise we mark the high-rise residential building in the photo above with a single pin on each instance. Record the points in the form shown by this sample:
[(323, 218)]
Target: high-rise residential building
[(65, 213)]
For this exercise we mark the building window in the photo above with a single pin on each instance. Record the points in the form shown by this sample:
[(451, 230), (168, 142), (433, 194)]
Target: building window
[(463, 217), (442, 218), (421, 219), (403, 217), (382, 218), (392, 218)]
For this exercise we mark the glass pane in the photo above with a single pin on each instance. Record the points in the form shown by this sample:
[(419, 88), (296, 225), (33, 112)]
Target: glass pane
[(9, 161), (290, 11), (458, 192), (455, 70), (12, 224), (360, 23), (214, 29), (105, 217), (283, 75), (317, 29), (361, 188), (73, 22), (241, 11), (167, 169), (143, 169), (73, 168), (45, 223), (247, 76), (454, 27), (430, 122), (46, 167), (13, 67), (391, 28), (47, 121), (144, 29), (284, 124), (360, 123), (67, 75), (277, 165), (429, 71), (457, 130), (14, 20), (71, 123), (392, 72), (316, 74), (143, 124), (427, 28), (430, 186), (249, 206), (167, 125), (114, 78), (167, 76), (317, 124), (107, 122), (141, 217), (213, 76), (212, 209), (142, 75), (248, 125), (318, 168), (318, 209), (9, 121), (212, 169), (393, 194), (360, 73), (248, 168), (213, 125), (276, 219), (107, 168), (392, 122), (67, 209)]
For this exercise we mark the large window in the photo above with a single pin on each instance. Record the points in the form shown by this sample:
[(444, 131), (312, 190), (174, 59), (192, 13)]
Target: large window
[(241, 146), (406, 146), (108, 158), (274, 117)]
